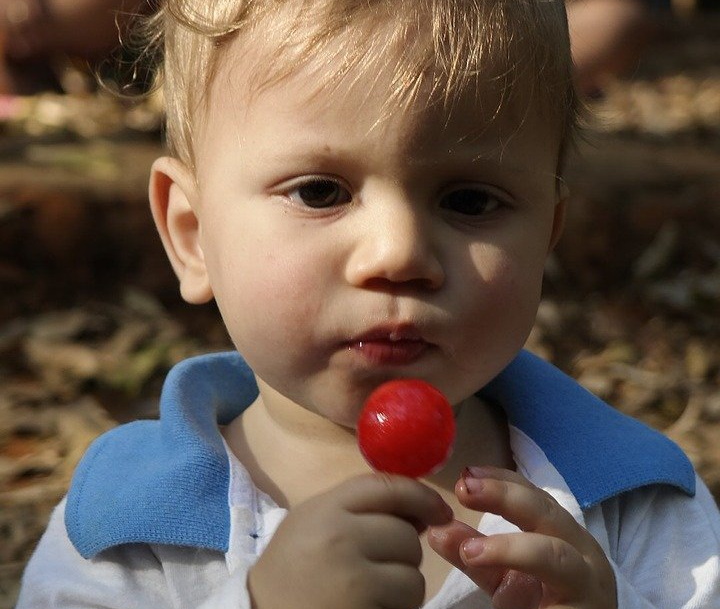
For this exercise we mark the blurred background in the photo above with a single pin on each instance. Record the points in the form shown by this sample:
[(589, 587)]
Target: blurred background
[(90, 319)]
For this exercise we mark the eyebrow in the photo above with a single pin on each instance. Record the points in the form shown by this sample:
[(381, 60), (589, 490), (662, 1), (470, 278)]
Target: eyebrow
[(478, 157), (465, 152)]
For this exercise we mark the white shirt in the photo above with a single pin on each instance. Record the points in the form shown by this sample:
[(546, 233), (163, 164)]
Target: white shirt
[(651, 535), (161, 515)]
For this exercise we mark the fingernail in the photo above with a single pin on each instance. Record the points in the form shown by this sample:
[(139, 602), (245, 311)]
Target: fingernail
[(471, 483), (472, 472), (472, 548)]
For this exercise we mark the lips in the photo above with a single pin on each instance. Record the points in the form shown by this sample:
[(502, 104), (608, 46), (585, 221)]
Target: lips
[(390, 346)]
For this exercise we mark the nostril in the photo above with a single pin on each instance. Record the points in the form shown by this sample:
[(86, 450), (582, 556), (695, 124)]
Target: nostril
[(382, 284), (397, 248), (396, 269)]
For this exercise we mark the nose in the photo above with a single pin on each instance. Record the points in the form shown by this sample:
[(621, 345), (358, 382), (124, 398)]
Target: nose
[(395, 248)]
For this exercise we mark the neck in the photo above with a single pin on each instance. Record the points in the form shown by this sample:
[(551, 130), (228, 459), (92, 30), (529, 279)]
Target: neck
[(290, 452), (482, 439), (293, 454), (297, 424)]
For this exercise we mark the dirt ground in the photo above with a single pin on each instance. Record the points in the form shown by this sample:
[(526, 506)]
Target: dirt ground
[(90, 320)]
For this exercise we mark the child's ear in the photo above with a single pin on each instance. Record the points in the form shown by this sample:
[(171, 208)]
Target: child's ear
[(559, 216), (173, 201)]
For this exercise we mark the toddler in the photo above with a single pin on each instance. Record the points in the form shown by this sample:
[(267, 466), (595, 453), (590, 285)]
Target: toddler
[(369, 190)]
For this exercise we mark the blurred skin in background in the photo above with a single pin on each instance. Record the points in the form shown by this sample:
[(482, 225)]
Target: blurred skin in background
[(33, 33), (608, 37)]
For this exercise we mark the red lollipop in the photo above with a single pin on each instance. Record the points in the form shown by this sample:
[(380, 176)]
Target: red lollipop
[(406, 427)]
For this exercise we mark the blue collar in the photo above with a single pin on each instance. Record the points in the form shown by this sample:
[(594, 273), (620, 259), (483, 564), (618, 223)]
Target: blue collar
[(167, 481)]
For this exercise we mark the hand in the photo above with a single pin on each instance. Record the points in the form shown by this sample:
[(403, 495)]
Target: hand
[(553, 563), (356, 546)]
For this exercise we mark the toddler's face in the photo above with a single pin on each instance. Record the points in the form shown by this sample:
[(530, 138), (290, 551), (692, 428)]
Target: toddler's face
[(344, 250)]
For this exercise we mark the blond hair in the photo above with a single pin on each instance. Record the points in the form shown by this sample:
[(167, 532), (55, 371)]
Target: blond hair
[(448, 45)]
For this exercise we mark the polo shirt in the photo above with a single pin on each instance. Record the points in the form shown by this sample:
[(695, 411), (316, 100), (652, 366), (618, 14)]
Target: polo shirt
[(161, 513), (121, 488)]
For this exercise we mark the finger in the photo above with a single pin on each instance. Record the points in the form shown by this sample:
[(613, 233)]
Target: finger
[(399, 586), (508, 589), (446, 540), (389, 539), (510, 495), (397, 495), (517, 590), (550, 559)]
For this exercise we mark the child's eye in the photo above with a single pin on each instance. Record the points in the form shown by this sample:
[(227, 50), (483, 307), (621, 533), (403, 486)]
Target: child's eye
[(470, 201), (319, 193)]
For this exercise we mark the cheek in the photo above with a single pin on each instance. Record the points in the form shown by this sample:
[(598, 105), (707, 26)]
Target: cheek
[(508, 273), (521, 281), (506, 295), (268, 298)]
